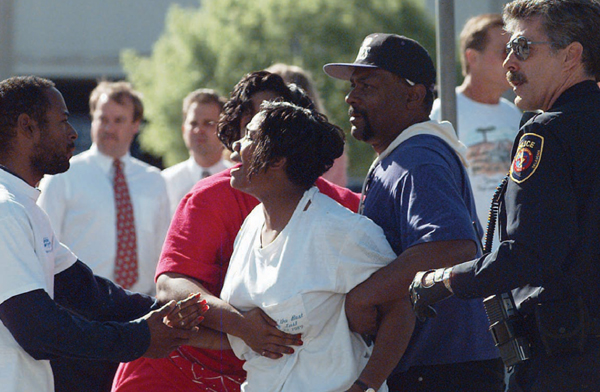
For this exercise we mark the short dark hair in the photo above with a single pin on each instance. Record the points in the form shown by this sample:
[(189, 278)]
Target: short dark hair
[(202, 96), (18, 95), (118, 92), (239, 103), (474, 35), (564, 22), (304, 137)]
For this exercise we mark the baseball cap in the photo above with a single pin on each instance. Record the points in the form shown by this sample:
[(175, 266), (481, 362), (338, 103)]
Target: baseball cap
[(397, 54)]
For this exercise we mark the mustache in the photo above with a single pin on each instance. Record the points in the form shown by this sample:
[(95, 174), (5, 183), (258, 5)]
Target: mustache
[(352, 111), (515, 77)]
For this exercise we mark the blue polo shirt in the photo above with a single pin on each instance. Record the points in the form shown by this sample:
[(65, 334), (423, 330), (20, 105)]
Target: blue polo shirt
[(421, 193)]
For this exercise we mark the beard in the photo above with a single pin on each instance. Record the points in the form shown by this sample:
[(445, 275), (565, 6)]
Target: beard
[(367, 131), (46, 160)]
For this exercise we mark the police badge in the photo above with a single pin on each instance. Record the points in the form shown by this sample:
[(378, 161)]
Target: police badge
[(527, 158)]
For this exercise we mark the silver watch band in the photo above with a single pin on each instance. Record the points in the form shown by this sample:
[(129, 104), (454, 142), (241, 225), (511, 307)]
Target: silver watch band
[(446, 279)]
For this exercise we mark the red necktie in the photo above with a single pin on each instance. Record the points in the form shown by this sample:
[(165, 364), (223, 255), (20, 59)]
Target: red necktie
[(126, 263)]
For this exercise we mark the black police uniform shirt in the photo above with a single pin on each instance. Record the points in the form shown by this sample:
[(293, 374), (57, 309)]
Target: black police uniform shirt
[(550, 210)]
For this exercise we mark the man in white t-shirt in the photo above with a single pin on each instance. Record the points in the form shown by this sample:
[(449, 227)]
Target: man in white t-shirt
[(201, 111), (487, 122), (51, 304)]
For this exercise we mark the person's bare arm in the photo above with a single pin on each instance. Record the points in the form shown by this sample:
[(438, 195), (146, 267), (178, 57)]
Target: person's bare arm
[(210, 339), (257, 330), (173, 286), (393, 335), (392, 281)]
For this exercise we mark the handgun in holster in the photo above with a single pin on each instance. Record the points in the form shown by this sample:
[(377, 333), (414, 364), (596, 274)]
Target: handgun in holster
[(506, 326)]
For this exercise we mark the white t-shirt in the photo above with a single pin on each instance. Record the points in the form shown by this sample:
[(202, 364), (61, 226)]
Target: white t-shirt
[(31, 256), (488, 131), (81, 207), (300, 281), (182, 177)]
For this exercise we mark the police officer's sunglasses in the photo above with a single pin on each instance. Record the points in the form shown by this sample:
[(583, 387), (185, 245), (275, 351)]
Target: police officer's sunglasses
[(520, 46)]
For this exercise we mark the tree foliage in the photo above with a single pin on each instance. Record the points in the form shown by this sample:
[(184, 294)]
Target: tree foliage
[(215, 44)]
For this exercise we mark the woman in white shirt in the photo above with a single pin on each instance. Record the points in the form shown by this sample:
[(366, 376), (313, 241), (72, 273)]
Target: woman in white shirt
[(298, 253)]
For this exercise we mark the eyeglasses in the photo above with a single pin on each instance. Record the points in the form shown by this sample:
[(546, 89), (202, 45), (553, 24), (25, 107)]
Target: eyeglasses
[(520, 45)]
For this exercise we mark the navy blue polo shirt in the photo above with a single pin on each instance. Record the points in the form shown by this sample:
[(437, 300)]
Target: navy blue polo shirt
[(421, 193)]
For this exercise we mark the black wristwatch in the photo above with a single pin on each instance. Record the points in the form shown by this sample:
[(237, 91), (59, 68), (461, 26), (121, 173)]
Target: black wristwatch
[(364, 386)]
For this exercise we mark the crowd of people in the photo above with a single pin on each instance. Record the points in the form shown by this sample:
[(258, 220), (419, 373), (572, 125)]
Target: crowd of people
[(251, 267)]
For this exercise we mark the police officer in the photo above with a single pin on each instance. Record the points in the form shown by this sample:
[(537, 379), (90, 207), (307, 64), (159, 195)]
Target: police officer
[(549, 206)]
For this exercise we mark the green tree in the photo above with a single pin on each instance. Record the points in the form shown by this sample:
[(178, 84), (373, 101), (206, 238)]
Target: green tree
[(216, 44)]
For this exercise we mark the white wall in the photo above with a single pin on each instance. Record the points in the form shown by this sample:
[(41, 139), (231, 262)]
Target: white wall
[(83, 38)]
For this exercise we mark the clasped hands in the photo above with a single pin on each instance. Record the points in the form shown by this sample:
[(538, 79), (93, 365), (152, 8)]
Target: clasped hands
[(187, 313), (255, 327), (174, 325)]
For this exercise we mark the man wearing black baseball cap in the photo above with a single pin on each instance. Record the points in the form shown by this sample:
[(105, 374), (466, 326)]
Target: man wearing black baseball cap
[(418, 191)]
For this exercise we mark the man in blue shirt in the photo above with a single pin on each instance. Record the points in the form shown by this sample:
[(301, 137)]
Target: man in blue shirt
[(418, 191)]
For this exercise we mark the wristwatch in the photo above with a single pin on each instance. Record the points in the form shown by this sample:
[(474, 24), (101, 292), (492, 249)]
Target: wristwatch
[(364, 386)]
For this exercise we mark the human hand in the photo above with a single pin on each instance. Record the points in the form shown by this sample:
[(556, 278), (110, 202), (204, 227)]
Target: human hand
[(188, 313), (164, 339), (262, 335), (426, 289), (362, 318)]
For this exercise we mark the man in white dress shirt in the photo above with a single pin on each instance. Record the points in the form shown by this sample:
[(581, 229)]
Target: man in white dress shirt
[(487, 122), (201, 111), (81, 202)]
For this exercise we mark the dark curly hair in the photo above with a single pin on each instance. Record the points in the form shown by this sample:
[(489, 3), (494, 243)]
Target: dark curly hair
[(239, 103), (18, 95), (305, 138), (301, 98)]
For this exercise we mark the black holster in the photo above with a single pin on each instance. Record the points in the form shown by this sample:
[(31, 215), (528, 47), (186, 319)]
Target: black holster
[(506, 326)]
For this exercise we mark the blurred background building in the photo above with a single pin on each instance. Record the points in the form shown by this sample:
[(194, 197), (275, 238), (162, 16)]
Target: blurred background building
[(77, 42)]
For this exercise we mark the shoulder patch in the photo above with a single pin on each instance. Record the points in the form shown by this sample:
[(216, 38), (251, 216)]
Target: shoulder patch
[(527, 157)]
